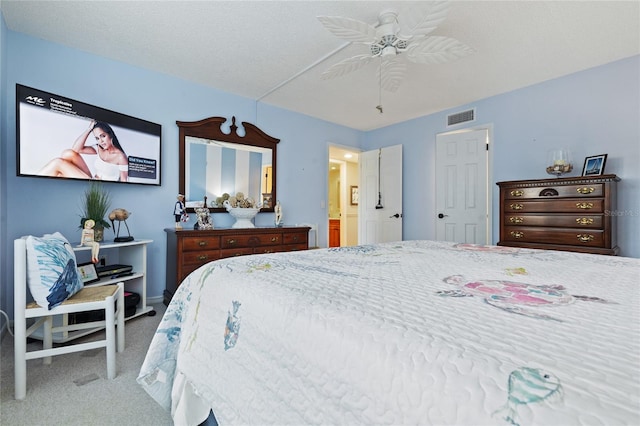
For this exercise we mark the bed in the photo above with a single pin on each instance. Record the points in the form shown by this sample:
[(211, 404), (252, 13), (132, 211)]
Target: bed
[(412, 332)]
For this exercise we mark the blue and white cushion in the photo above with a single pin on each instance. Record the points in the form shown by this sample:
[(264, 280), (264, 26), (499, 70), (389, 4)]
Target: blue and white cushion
[(52, 274)]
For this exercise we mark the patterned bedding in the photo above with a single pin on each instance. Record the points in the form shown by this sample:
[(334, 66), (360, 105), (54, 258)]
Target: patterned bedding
[(413, 332)]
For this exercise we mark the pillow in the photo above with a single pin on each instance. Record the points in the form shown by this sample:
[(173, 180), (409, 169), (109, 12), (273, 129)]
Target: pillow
[(52, 274)]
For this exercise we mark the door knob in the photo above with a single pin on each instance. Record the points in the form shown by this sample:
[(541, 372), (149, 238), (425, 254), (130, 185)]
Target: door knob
[(440, 215), (397, 215)]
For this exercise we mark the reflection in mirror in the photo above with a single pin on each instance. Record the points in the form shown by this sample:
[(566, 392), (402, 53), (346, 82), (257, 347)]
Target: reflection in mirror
[(214, 162), (216, 168)]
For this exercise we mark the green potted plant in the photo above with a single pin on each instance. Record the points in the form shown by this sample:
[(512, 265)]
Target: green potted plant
[(95, 204)]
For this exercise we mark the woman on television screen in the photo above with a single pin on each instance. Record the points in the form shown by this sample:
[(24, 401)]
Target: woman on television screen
[(110, 164)]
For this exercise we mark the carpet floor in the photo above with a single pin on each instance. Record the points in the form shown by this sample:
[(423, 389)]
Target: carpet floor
[(74, 390)]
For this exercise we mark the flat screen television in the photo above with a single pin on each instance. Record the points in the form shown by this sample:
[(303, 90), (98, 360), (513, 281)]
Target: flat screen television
[(58, 137)]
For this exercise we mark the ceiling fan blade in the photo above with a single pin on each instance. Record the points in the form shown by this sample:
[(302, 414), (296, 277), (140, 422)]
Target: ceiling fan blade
[(346, 66), (420, 21), (349, 29), (437, 50), (391, 74)]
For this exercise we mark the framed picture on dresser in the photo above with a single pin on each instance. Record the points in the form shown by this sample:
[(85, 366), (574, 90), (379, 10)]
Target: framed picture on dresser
[(594, 166)]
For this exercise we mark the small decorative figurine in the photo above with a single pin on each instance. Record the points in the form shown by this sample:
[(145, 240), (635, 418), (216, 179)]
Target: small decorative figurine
[(88, 239), (203, 219), (121, 215), (278, 210), (179, 211)]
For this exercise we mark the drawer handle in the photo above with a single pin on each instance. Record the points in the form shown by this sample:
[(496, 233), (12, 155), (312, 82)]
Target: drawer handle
[(295, 238), (585, 238), (586, 190), (516, 206), (274, 239), (517, 234), (549, 192), (202, 243), (231, 242), (517, 193), (584, 221), (516, 219), (203, 257), (584, 206)]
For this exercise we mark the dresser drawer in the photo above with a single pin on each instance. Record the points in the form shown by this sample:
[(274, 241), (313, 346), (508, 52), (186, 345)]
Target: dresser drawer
[(554, 220), (199, 257), (555, 206), (200, 243), (251, 240), (296, 238), (294, 247), (573, 191), (576, 237), (233, 252), (267, 249), (185, 271)]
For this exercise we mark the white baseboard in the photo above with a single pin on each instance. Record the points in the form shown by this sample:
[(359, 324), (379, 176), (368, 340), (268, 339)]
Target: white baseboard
[(154, 300)]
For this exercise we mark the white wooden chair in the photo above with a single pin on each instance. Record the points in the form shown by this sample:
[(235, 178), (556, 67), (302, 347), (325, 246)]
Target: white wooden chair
[(87, 299)]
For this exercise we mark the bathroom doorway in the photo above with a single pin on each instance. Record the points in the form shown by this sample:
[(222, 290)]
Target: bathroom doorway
[(343, 192)]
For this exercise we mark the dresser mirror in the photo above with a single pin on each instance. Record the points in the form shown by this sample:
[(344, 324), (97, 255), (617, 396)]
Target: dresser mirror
[(214, 161)]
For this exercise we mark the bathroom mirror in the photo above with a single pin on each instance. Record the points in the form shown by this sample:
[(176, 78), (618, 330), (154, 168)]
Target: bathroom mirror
[(214, 162)]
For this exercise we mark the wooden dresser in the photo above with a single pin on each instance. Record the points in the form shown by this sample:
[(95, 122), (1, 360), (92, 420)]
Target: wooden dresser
[(187, 250), (573, 214)]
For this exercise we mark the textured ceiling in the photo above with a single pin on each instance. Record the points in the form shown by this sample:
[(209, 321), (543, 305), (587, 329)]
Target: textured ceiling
[(275, 51)]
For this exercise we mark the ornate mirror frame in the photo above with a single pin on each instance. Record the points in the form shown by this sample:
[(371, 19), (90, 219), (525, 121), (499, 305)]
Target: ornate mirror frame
[(211, 129)]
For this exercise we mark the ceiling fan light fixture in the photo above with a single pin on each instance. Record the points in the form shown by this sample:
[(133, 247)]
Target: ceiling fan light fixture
[(395, 34), (388, 51), (389, 39), (386, 34)]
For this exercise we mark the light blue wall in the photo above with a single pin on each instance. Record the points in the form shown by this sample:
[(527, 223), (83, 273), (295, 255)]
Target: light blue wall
[(4, 140), (593, 112), (37, 206), (596, 111)]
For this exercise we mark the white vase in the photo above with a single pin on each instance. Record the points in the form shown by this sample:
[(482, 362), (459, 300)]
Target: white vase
[(243, 216)]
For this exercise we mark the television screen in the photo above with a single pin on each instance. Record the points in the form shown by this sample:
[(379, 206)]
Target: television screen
[(58, 137)]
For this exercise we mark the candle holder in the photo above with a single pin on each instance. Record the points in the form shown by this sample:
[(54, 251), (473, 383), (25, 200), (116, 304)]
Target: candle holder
[(559, 162)]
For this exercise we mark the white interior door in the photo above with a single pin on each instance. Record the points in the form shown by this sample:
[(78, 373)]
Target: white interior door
[(380, 205), (462, 187)]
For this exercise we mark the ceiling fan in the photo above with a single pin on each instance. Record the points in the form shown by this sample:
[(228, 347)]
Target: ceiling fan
[(395, 35)]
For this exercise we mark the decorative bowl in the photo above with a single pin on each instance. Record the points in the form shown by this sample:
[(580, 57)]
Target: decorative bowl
[(243, 216), (559, 161)]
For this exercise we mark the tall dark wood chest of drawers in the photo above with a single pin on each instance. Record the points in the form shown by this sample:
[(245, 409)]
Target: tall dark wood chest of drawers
[(573, 214), (187, 250)]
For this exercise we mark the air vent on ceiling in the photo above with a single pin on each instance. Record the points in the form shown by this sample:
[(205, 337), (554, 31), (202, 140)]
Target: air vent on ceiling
[(461, 117)]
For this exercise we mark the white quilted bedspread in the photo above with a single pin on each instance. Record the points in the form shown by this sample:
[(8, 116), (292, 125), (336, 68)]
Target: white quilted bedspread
[(414, 332)]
